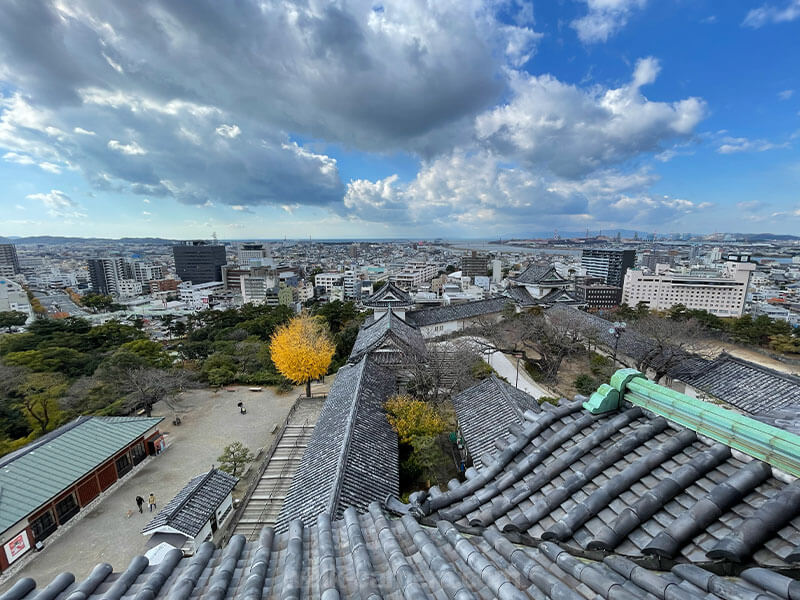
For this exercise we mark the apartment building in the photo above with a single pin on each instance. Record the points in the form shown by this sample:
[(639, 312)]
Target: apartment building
[(329, 280), (608, 263), (414, 274), (722, 294)]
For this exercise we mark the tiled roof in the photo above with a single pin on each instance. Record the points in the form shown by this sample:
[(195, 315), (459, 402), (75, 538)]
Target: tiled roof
[(389, 295), (36, 473), (558, 295), (352, 458), (485, 413), (747, 386), (389, 328), (192, 507), (629, 483), (369, 557), (540, 275), (520, 295), (456, 312)]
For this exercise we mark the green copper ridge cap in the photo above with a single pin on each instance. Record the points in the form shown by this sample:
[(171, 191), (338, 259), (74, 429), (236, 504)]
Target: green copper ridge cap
[(605, 399), (769, 444)]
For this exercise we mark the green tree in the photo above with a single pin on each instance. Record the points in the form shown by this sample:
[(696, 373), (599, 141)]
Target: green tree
[(585, 384), (152, 353), (337, 314), (12, 318), (39, 396), (97, 301), (784, 343), (234, 457), (53, 359)]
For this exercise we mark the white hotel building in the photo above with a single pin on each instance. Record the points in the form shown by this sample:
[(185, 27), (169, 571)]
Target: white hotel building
[(722, 295)]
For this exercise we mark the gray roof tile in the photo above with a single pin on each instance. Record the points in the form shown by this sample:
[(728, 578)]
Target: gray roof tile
[(352, 458), (192, 507), (485, 413), (371, 556), (393, 336), (544, 275), (456, 312), (604, 481)]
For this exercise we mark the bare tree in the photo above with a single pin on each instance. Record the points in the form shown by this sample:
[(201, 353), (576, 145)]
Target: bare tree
[(144, 386), (665, 343), (447, 370), (540, 339)]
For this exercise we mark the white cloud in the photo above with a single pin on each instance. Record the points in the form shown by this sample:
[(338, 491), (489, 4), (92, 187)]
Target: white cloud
[(146, 213), (605, 18), (146, 200), (114, 65), (131, 149), (769, 13), (20, 159), (58, 204), (228, 131), (785, 94), (82, 131), (733, 145), (50, 167), (574, 131)]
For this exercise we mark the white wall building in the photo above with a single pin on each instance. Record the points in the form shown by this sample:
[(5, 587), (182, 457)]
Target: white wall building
[(129, 288), (328, 280), (722, 295), (13, 297), (195, 296)]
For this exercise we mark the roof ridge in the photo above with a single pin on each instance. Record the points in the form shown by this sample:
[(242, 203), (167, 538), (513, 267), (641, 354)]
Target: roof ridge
[(506, 394), (345, 451), (203, 479)]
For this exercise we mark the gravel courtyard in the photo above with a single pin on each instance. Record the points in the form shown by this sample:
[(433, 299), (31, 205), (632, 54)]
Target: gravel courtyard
[(109, 533)]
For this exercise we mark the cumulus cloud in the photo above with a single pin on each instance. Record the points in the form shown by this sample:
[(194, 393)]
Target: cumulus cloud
[(58, 204), (605, 18), (472, 191), (770, 13), (574, 131), (167, 87)]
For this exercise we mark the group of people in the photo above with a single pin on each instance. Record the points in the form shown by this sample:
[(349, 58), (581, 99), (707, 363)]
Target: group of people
[(151, 501)]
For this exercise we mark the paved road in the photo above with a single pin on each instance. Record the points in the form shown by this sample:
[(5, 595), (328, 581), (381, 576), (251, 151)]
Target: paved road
[(109, 533), (59, 303)]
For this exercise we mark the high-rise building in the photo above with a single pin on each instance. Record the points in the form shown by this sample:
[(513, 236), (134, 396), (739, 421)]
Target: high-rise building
[(608, 263), (9, 263), (474, 264), (105, 274), (198, 261), (497, 271)]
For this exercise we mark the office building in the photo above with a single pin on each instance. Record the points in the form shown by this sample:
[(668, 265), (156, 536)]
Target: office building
[(598, 295), (721, 294), (198, 261), (608, 263), (9, 263)]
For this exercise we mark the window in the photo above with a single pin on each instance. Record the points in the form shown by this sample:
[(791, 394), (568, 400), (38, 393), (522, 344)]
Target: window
[(43, 526), (66, 509), (123, 465), (138, 453)]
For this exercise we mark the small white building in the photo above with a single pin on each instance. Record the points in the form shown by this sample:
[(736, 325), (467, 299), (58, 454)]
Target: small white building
[(199, 509), (196, 297)]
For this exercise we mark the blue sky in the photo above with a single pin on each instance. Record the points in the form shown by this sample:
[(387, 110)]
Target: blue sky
[(455, 118)]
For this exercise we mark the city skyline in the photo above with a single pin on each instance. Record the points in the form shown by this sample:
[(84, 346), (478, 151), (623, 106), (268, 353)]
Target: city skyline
[(398, 120)]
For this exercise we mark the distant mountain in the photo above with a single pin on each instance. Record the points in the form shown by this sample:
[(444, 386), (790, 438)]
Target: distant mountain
[(54, 240), (762, 237)]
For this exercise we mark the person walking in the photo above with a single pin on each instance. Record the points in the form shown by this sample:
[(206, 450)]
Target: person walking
[(140, 503), (152, 501)]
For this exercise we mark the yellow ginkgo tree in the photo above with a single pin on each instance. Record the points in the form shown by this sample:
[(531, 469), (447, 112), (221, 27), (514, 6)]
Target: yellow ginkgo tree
[(302, 350)]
